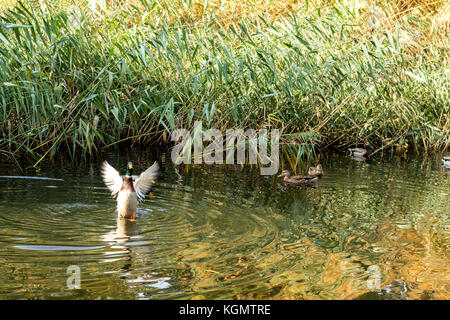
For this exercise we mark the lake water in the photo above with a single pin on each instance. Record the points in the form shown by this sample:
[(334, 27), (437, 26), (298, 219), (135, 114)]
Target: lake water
[(376, 230)]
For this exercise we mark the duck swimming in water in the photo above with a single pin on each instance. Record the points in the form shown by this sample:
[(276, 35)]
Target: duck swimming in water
[(314, 174), (316, 171), (446, 163), (360, 152), (129, 189)]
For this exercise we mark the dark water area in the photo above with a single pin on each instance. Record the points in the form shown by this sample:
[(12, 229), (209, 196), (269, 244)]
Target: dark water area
[(376, 230)]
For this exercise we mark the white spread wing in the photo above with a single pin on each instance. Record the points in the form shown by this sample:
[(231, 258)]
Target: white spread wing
[(111, 178), (144, 183)]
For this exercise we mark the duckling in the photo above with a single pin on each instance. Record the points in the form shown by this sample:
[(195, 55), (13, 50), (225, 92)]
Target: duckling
[(360, 152), (446, 163), (129, 189)]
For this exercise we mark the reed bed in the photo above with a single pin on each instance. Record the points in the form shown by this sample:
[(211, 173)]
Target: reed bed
[(327, 74)]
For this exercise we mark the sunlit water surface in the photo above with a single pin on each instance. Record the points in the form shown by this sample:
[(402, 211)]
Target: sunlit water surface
[(375, 230)]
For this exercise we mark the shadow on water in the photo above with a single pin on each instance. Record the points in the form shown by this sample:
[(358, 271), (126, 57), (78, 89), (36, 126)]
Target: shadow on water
[(374, 230)]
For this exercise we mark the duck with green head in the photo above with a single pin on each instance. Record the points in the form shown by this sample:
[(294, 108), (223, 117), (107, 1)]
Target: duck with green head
[(446, 163), (129, 189), (360, 152)]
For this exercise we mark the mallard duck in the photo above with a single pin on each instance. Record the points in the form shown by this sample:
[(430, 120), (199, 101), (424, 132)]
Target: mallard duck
[(297, 180), (360, 152), (316, 171), (446, 163), (129, 189)]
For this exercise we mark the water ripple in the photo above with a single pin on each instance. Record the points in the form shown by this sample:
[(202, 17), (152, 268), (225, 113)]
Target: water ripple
[(228, 234)]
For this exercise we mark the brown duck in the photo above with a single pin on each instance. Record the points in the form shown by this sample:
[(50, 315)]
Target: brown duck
[(314, 174)]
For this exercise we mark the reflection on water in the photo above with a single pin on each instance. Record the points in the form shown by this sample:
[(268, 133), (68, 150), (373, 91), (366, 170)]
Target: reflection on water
[(376, 230)]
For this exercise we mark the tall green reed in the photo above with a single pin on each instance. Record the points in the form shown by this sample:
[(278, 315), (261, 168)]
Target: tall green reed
[(71, 82)]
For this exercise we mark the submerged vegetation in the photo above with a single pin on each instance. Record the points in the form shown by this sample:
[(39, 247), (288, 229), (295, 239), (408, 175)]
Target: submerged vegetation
[(79, 78)]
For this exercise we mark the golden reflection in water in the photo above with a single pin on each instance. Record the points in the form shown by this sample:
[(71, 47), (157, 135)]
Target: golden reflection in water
[(225, 236), (414, 258), (410, 259), (417, 258)]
